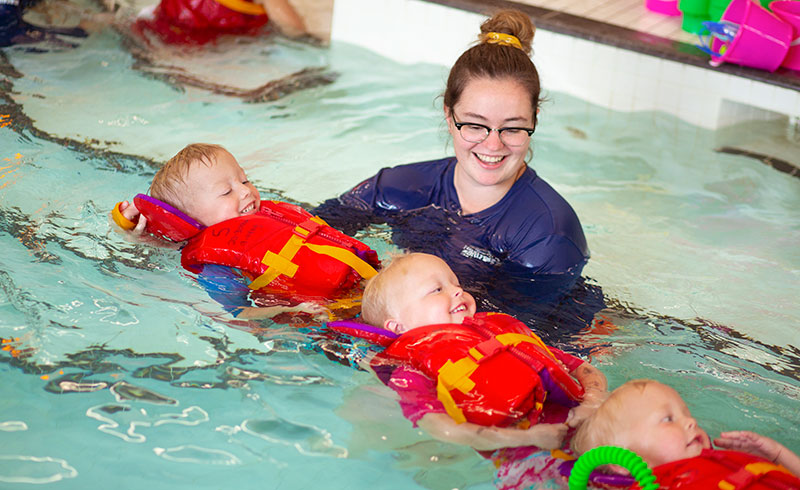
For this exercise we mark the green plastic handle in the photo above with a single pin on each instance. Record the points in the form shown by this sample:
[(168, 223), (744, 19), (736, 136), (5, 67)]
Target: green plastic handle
[(579, 477)]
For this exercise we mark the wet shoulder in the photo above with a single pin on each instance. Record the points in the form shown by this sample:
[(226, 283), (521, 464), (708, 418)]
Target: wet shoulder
[(416, 185), (535, 197)]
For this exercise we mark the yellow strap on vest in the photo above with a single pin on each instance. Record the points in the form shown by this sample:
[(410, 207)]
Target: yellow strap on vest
[(757, 469), (243, 7), (281, 263), (349, 258), (516, 338), (456, 375)]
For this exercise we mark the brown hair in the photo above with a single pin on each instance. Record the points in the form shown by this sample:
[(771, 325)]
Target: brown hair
[(497, 61), (601, 428), (169, 181)]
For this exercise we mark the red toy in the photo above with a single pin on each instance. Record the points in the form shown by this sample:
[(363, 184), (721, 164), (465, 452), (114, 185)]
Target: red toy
[(201, 21)]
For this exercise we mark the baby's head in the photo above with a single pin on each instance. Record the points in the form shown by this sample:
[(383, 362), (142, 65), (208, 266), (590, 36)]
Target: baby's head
[(206, 182), (647, 417), (415, 290)]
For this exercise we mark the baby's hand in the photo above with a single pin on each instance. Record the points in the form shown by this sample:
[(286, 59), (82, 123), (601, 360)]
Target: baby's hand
[(591, 400), (749, 442), (317, 311), (129, 219), (548, 436)]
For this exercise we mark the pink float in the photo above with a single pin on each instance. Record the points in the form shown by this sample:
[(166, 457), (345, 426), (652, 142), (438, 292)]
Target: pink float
[(789, 11), (760, 39), (665, 7)]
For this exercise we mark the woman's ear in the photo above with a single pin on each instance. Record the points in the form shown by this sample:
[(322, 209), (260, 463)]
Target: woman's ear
[(393, 325)]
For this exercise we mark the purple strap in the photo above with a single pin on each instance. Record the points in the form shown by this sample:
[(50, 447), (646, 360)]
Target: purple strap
[(358, 329), (177, 212)]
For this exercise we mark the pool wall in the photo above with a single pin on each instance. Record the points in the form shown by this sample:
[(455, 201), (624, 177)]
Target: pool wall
[(415, 31)]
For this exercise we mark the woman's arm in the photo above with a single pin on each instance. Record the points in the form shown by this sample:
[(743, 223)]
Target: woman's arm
[(444, 428)]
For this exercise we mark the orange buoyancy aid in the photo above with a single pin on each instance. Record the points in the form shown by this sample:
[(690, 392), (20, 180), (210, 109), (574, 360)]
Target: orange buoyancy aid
[(724, 470), (489, 370), (283, 247)]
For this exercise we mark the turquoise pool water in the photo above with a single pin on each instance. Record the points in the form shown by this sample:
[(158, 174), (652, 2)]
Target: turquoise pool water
[(119, 369)]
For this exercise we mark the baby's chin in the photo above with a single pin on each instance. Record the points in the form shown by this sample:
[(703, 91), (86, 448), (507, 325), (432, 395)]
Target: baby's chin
[(696, 447), (459, 317)]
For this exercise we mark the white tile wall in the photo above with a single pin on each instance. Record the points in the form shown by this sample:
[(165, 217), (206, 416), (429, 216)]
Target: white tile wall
[(413, 31)]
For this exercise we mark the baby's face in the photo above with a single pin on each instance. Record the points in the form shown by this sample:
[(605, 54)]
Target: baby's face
[(219, 192), (426, 292), (659, 427)]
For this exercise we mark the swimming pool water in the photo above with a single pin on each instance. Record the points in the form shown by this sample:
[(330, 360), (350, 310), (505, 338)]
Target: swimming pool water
[(118, 368)]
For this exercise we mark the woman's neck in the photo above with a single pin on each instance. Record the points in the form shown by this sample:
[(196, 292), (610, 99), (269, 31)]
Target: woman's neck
[(475, 197)]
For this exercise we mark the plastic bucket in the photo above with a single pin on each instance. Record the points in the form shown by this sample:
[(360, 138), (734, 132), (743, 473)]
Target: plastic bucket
[(789, 11), (664, 7), (762, 40)]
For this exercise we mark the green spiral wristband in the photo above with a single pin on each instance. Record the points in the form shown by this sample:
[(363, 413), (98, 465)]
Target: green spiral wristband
[(579, 477)]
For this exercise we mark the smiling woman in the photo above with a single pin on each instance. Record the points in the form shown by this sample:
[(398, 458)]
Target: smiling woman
[(485, 210)]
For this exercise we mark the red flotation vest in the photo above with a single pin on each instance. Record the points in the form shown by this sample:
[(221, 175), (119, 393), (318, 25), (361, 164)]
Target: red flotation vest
[(488, 370), (283, 247), (724, 470), (202, 21)]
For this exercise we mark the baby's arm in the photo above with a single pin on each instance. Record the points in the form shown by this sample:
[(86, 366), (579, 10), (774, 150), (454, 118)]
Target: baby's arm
[(444, 428), (759, 445), (595, 388), (315, 311), (285, 17)]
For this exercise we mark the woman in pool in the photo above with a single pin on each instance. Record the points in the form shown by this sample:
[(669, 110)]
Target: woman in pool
[(484, 211)]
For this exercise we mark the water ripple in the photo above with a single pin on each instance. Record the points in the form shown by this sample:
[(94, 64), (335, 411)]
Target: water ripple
[(195, 454), (31, 469), (307, 439), (115, 417), (13, 426)]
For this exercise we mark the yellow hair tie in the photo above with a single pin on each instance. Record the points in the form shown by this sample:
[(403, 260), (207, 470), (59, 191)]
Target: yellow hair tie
[(500, 38)]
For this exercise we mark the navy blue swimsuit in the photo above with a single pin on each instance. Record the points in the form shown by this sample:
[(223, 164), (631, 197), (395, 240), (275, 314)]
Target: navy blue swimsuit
[(532, 225), (524, 252)]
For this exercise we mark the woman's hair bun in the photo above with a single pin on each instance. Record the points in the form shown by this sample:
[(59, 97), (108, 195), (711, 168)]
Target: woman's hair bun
[(513, 22)]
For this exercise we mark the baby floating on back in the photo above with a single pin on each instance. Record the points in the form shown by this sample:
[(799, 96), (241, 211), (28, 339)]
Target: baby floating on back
[(484, 376), (203, 197)]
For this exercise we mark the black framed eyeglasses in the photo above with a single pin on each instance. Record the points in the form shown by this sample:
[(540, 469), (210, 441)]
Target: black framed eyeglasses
[(476, 133)]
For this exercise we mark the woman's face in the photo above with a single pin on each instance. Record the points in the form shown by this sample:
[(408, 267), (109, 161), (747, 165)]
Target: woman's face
[(496, 103)]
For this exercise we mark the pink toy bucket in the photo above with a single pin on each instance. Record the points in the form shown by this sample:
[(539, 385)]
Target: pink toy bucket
[(664, 7), (761, 41), (789, 11)]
